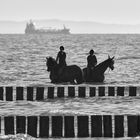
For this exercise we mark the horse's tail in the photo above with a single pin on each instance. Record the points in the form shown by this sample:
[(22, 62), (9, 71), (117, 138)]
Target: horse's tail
[(79, 77)]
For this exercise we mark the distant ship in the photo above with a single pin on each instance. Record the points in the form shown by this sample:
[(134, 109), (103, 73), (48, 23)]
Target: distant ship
[(31, 29)]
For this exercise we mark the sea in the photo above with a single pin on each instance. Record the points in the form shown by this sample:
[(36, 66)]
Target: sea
[(23, 63)]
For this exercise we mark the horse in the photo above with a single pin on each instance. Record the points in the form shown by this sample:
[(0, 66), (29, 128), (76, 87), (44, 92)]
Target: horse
[(71, 73), (97, 73)]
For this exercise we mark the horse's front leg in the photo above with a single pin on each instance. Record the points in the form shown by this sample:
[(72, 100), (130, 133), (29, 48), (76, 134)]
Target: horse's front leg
[(53, 78)]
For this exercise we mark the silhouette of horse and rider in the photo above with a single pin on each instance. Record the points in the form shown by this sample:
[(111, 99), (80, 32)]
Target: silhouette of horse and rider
[(60, 72)]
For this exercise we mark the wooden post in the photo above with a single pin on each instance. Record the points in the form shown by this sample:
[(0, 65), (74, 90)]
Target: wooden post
[(0, 124), (92, 91), (44, 127), (119, 126), (111, 91), (96, 126), (71, 92), (69, 127), (19, 93), (9, 93), (9, 125), (132, 126), (40, 93), (82, 92), (120, 91), (60, 92), (107, 121), (101, 91), (20, 124), (30, 93), (32, 126), (50, 92), (138, 125), (1, 93), (83, 126), (132, 91), (57, 126)]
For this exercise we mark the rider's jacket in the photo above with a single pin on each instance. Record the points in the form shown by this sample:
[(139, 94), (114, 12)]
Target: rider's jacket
[(61, 58), (91, 61)]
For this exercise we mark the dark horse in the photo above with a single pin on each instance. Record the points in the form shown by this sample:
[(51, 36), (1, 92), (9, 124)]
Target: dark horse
[(70, 73), (97, 74)]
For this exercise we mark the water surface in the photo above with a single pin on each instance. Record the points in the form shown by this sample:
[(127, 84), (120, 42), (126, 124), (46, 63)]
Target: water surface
[(22, 63)]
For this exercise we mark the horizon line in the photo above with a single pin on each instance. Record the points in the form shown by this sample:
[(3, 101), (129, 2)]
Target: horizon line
[(88, 21), (117, 33)]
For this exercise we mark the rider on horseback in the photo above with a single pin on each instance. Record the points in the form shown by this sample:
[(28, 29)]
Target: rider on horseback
[(61, 57), (61, 60), (91, 63)]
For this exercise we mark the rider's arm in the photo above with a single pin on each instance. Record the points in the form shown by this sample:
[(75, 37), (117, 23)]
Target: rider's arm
[(64, 55)]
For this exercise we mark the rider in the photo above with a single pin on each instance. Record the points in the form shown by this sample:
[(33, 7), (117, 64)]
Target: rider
[(91, 63), (61, 59)]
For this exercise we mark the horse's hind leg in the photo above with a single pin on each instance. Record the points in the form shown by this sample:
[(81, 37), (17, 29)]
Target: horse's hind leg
[(79, 79), (72, 81)]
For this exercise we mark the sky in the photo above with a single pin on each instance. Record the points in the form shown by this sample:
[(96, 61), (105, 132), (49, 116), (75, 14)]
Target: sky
[(106, 11)]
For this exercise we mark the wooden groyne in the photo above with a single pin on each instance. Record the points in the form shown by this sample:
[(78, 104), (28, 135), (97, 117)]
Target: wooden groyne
[(41, 93), (72, 126)]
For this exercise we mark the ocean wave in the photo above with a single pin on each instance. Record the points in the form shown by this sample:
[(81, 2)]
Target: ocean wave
[(128, 57), (16, 137), (28, 137)]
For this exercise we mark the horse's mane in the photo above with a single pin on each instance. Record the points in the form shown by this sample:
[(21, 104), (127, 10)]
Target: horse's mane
[(107, 60), (52, 60)]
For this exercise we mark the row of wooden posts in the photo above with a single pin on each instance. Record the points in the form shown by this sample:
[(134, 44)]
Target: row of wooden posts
[(72, 126), (69, 126), (6, 93)]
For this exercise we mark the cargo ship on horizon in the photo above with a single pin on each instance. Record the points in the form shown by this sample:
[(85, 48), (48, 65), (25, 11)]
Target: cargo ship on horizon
[(31, 29)]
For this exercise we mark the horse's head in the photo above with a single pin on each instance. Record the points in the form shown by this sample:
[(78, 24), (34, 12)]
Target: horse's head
[(50, 63), (111, 62)]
